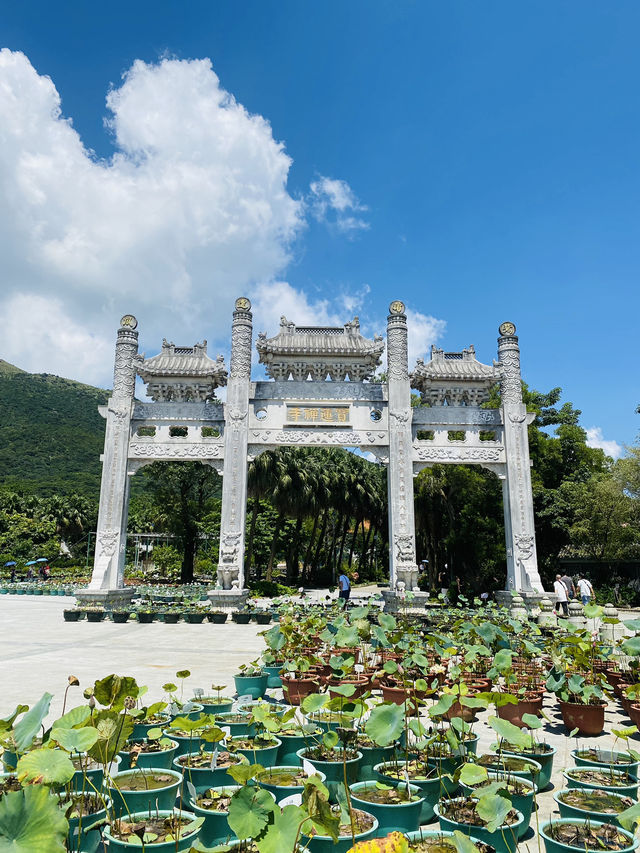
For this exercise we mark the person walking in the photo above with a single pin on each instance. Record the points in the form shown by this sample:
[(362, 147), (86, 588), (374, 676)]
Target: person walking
[(567, 580), (586, 591), (443, 580), (561, 595), (344, 585)]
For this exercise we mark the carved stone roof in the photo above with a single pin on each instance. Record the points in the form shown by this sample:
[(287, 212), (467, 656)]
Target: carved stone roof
[(454, 378), (182, 373), (320, 351)]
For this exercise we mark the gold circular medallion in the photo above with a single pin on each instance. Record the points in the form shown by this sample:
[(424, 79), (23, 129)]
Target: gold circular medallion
[(128, 322), (507, 329), (243, 304), (396, 307)]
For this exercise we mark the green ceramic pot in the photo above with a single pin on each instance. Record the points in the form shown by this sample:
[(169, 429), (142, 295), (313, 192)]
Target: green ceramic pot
[(504, 839), (544, 759), (254, 686), (607, 758), (140, 730), (162, 798), (186, 744), (244, 729), (582, 814), (81, 838), (282, 791), (531, 771), (267, 756), (161, 758), (432, 788), (153, 847), (273, 673), (423, 834), (215, 829), (334, 770), (326, 844), (91, 779), (553, 846), (371, 756), (201, 777), (211, 705), (399, 817), (522, 803), (191, 710), (291, 744), (619, 782)]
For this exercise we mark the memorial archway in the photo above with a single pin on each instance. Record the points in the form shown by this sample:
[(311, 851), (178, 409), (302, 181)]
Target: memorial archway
[(320, 394)]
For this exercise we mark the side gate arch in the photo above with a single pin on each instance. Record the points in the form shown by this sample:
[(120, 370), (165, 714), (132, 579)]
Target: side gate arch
[(318, 395)]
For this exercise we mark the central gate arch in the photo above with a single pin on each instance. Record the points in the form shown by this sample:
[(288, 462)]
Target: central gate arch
[(320, 392)]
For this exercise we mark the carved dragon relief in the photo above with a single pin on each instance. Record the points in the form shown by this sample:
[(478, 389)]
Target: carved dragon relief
[(457, 454), (144, 450), (405, 550), (107, 542), (524, 545), (319, 437)]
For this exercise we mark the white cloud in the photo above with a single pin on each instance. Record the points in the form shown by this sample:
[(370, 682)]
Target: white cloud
[(34, 323), (596, 439), (272, 300), (424, 330), (334, 202), (190, 211)]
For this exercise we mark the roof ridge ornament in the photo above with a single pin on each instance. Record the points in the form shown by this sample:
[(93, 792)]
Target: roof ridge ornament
[(318, 352)]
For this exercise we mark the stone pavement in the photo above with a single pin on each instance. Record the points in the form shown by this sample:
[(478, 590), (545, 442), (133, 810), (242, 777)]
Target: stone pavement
[(39, 651)]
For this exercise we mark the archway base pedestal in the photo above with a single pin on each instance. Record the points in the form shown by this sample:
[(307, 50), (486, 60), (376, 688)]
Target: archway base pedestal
[(110, 599), (531, 598), (228, 599)]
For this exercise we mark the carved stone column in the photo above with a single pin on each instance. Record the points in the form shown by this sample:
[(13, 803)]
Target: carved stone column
[(522, 562), (111, 535), (402, 539), (236, 435)]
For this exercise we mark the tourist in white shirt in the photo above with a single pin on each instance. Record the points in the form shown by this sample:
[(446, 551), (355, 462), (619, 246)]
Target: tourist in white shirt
[(586, 591), (561, 595)]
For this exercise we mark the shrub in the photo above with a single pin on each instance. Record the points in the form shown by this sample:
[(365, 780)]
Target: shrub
[(270, 589)]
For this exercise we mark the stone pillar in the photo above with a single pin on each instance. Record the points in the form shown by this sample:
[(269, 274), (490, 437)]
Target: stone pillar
[(576, 614), (547, 617), (111, 535), (402, 539), (611, 631), (522, 562), (236, 437)]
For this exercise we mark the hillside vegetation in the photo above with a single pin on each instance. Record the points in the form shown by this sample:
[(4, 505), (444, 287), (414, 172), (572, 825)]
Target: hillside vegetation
[(51, 434)]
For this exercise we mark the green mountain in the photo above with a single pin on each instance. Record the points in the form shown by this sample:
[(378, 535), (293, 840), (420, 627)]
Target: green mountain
[(51, 434)]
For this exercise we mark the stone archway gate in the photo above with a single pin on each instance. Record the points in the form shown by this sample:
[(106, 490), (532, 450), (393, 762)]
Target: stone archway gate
[(318, 394)]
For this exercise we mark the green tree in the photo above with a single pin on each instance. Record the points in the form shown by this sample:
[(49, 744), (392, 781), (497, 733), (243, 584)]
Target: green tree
[(185, 491)]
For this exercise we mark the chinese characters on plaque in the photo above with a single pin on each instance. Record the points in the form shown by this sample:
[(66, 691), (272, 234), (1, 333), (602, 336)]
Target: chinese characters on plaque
[(321, 415)]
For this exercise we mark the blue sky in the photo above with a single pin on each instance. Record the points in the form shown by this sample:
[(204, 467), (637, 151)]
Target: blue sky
[(478, 160)]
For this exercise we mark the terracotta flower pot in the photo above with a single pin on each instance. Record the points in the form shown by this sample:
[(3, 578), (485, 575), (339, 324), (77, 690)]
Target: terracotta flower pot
[(360, 682), (296, 689), (513, 713), (398, 695), (634, 713), (458, 710), (588, 719)]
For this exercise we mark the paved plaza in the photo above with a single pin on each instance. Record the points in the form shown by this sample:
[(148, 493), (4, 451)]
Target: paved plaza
[(40, 650)]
